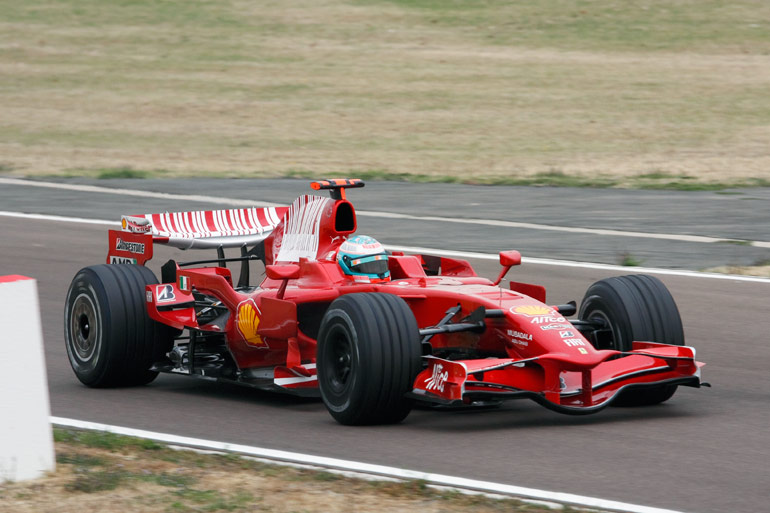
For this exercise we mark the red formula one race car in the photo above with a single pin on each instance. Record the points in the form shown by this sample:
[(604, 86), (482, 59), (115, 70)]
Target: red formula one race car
[(371, 331)]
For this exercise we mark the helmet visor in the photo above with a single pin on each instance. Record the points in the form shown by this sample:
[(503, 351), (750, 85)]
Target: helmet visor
[(374, 264)]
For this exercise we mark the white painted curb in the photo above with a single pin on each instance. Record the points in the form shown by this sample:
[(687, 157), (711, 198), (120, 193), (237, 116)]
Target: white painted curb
[(295, 458), (26, 442)]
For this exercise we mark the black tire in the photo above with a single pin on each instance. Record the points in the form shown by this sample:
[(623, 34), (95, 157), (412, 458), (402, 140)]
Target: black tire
[(110, 339), (368, 356), (635, 307)]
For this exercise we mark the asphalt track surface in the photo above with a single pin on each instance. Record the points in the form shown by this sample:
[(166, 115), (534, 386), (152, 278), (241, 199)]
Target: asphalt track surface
[(706, 450)]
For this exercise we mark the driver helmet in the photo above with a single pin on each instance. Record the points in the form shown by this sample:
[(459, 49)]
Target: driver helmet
[(364, 259)]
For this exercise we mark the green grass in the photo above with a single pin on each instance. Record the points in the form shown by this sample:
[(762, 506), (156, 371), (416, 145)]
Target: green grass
[(123, 172), (102, 440), (650, 25), (584, 93), (96, 480), (211, 500), (170, 480), (629, 260), (326, 476), (81, 460), (736, 242), (653, 181)]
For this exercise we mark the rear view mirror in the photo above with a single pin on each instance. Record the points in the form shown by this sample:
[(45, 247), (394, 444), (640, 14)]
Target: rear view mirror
[(510, 258), (282, 272), (507, 259)]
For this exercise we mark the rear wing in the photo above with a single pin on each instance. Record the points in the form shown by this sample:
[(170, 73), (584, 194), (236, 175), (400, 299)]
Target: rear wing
[(206, 229), (313, 228), (203, 229)]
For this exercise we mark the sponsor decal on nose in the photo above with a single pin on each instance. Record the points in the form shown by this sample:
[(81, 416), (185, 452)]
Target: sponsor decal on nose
[(437, 379)]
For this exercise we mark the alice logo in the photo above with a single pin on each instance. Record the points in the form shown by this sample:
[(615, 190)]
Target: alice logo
[(438, 379)]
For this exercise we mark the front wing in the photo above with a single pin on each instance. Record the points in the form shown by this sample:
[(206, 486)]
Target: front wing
[(558, 381)]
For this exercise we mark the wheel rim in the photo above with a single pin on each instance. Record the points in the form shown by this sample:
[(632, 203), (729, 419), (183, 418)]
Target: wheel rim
[(84, 328), (610, 327), (339, 360)]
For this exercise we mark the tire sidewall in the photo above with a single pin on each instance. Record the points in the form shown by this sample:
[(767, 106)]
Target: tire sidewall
[(339, 323)]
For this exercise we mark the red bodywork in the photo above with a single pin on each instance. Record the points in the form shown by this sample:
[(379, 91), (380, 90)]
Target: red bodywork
[(527, 349)]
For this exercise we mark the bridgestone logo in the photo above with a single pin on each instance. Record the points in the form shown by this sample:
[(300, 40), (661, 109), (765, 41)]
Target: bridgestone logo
[(131, 247)]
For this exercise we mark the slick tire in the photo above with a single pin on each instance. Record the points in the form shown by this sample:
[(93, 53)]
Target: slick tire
[(634, 307), (110, 339), (369, 354)]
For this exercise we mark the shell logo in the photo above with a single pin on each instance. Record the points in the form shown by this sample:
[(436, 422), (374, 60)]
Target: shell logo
[(532, 310), (247, 320)]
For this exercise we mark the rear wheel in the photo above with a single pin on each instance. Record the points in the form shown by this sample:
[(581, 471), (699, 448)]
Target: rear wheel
[(634, 307), (110, 339), (368, 357)]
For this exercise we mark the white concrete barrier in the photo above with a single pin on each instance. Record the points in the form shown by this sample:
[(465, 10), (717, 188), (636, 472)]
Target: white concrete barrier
[(26, 441)]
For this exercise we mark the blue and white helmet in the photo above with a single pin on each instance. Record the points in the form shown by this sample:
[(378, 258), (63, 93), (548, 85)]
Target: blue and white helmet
[(363, 258)]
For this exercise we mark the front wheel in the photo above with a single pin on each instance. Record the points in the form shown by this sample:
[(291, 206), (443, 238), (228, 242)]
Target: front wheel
[(110, 339), (368, 357), (634, 307)]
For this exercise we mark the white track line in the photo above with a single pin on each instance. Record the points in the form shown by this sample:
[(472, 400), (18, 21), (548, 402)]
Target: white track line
[(462, 254), (62, 219), (382, 215), (364, 468), (139, 193)]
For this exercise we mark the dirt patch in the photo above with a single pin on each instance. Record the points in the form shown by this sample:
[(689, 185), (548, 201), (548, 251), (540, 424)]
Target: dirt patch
[(762, 271)]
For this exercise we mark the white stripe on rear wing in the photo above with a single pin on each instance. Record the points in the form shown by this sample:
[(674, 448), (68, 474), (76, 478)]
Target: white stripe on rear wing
[(205, 229)]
